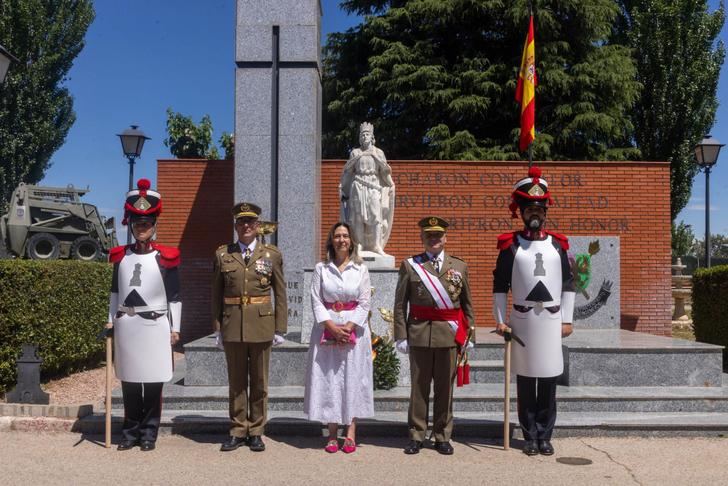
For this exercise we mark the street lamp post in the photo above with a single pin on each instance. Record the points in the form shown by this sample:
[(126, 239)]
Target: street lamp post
[(5, 59), (132, 142), (706, 156)]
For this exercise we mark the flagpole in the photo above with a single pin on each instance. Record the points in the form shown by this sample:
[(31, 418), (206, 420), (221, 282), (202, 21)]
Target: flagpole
[(526, 90), (530, 155), (530, 145)]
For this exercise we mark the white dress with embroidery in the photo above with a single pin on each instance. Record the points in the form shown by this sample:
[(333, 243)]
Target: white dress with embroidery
[(339, 381)]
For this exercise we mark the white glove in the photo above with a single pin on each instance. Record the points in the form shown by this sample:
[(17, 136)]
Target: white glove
[(218, 341), (402, 346), (278, 340), (470, 345)]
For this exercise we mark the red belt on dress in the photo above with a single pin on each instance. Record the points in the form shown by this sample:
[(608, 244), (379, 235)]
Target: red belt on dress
[(341, 306)]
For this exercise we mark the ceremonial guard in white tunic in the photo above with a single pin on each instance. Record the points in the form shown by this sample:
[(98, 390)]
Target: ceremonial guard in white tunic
[(145, 310), (534, 266), (433, 322)]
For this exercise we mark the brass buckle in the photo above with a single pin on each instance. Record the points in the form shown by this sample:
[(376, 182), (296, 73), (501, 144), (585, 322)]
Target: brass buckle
[(338, 306), (244, 300)]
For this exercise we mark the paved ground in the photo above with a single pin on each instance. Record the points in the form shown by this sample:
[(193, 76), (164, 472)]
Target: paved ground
[(68, 458)]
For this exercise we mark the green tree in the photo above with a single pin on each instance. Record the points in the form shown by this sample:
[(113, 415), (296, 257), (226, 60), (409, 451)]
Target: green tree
[(437, 78), (227, 142), (718, 247), (36, 109), (187, 140), (678, 58), (683, 239)]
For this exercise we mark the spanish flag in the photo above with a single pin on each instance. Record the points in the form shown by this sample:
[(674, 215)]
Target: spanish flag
[(526, 90)]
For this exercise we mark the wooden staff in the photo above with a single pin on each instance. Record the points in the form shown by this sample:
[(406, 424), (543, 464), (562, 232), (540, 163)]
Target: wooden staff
[(507, 397), (107, 406)]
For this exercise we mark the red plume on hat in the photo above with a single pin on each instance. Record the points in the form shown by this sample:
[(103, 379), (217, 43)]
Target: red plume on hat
[(533, 189), (142, 201), (143, 185)]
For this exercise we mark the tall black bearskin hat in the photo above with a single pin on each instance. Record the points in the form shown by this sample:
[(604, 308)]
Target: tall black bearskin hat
[(530, 191), (142, 203)]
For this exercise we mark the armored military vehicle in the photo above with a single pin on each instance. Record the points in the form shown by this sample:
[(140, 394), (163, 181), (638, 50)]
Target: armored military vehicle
[(45, 223)]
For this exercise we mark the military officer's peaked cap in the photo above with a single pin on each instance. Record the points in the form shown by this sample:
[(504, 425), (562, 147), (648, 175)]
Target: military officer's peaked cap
[(246, 210), (142, 203), (431, 224), (530, 191)]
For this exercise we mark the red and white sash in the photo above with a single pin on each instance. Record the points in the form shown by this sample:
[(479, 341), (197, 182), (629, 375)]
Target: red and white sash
[(435, 288)]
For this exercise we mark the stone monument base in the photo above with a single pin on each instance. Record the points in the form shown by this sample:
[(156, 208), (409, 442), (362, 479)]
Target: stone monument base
[(376, 261)]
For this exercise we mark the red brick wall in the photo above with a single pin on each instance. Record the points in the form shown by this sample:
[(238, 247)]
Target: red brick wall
[(197, 196), (591, 198)]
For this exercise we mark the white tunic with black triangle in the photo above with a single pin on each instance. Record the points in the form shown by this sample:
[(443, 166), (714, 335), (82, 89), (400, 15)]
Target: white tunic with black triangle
[(142, 349), (536, 282)]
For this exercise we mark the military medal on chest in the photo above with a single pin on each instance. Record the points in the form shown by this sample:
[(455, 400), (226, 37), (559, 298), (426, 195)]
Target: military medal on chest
[(455, 283), (264, 268)]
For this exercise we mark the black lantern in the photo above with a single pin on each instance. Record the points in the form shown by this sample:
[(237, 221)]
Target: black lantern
[(706, 156), (132, 143)]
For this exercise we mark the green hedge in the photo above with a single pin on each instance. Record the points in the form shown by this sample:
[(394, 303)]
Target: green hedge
[(58, 305), (710, 306)]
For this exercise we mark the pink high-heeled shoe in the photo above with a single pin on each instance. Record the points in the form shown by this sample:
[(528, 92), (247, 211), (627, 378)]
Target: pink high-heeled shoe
[(349, 446), (332, 446)]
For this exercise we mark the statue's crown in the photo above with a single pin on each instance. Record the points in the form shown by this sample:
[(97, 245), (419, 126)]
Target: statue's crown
[(366, 127)]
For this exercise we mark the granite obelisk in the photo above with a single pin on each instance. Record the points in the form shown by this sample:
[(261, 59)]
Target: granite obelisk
[(278, 124)]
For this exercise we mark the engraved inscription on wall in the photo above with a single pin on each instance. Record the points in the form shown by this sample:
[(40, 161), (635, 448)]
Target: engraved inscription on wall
[(590, 205)]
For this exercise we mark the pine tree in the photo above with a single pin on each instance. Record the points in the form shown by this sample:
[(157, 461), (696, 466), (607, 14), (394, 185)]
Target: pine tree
[(678, 62), (437, 78), (386, 364), (36, 110)]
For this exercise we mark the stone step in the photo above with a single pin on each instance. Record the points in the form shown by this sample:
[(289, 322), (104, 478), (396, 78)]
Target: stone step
[(603, 357), (481, 398), (488, 371), (466, 424), (206, 363), (592, 357)]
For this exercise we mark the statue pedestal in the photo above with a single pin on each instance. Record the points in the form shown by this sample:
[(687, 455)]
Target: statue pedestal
[(375, 261)]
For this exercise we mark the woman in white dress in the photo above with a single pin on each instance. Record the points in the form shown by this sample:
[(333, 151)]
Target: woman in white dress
[(339, 382)]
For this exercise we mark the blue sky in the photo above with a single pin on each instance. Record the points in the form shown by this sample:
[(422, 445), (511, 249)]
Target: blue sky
[(142, 57)]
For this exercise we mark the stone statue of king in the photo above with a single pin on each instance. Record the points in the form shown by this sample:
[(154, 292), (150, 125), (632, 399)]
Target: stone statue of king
[(367, 198)]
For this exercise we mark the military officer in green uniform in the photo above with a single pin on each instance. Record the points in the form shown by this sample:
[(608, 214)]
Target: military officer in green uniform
[(433, 315), (249, 312)]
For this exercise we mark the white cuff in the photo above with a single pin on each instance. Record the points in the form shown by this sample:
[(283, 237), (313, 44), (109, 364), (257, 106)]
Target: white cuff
[(113, 305), (500, 307), (567, 307), (175, 314)]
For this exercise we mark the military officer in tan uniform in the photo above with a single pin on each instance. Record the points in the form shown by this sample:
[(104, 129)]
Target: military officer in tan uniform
[(249, 312), (433, 314)]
